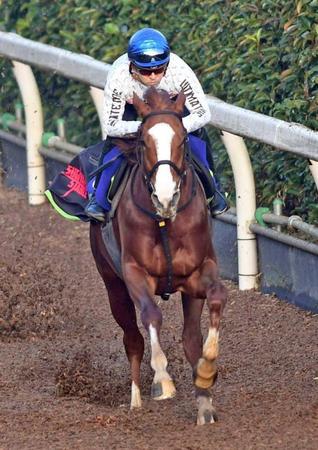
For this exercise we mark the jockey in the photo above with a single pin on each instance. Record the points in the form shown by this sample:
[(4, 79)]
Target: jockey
[(147, 63)]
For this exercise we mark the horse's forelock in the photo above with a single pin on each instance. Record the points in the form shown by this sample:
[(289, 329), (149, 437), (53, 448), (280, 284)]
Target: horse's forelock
[(157, 98)]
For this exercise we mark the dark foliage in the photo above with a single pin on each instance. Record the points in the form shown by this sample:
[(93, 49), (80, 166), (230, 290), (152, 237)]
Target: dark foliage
[(260, 55)]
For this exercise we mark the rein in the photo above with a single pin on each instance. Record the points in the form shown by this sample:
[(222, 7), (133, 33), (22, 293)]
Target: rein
[(154, 215), (160, 113), (147, 175)]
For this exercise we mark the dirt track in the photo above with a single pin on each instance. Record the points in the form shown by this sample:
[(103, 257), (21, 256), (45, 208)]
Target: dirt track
[(64, 378)]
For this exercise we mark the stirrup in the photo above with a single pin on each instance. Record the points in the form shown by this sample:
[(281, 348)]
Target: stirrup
[(218, 205), (99, 217)]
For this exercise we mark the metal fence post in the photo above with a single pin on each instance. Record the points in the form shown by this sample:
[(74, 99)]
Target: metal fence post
[(245, 210), (313, 166), (98, 99)]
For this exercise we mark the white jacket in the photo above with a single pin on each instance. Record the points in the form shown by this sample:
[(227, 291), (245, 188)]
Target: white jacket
[(120, 87)]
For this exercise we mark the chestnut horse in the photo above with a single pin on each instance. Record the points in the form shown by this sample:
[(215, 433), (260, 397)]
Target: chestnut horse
[(162, 226)]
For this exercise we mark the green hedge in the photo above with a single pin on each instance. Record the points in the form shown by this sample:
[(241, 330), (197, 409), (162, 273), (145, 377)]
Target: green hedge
[(260, 55)]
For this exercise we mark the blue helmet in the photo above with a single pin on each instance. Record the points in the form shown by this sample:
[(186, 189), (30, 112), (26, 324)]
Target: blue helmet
[(148, 48)]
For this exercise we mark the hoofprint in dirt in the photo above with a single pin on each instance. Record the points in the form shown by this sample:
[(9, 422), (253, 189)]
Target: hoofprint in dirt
[(64, 377)]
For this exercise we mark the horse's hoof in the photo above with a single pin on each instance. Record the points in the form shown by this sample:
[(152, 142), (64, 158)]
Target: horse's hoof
[(135, 406), (135, 403), (163, 390), (206, 417), (206, 412)]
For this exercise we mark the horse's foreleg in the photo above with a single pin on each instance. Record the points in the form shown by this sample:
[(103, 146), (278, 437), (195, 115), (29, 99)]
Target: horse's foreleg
[(151, 317), (216, 299), (162, 385), (193, 348), (192, 337), (206, 371), (124, 313)]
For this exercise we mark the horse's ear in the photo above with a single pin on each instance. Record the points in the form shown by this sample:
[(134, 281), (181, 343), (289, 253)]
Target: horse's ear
[(141, 107), (179, 103)]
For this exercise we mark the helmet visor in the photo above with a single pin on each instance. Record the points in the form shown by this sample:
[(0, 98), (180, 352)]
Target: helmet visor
[(143, 59)]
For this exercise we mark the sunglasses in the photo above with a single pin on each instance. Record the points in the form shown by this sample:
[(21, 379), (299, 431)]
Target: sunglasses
[(148, 72)]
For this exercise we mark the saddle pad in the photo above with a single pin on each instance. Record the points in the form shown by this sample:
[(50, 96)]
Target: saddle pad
[(108, 229), (68, 193), (123, 181), (112, 247)]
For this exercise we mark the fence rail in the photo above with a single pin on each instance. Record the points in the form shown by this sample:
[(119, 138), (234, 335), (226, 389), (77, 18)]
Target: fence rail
[(291, 137), (235, 123)]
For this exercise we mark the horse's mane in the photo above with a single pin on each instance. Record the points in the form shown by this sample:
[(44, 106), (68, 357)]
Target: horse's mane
[(128, 146)]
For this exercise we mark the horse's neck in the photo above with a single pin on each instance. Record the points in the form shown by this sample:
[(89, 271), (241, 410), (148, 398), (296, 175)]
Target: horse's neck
[(190, 181), (138, 187)]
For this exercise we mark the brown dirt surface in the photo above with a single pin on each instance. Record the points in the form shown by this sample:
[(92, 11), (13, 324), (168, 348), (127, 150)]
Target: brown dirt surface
[(64, 377)]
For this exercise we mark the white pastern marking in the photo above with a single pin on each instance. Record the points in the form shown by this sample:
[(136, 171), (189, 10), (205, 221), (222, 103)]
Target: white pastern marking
[(211, 345), (158, 359), (162, 134), (135, 396)]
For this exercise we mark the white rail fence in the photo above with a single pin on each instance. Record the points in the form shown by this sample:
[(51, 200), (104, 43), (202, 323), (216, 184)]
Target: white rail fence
[(234, 122)]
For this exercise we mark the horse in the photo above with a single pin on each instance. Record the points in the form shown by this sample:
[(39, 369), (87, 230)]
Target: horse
[(162, 227)]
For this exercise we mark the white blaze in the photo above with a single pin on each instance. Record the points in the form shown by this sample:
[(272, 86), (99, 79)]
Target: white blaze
[(162, 134)]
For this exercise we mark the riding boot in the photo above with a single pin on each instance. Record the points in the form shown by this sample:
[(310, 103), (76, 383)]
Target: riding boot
[(93, 209), (218, 205)]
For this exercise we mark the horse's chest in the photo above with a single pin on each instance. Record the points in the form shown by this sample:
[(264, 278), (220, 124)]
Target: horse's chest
[(155, 257)]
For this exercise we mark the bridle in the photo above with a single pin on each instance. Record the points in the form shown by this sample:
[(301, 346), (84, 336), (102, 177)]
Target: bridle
[(147, 175)]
